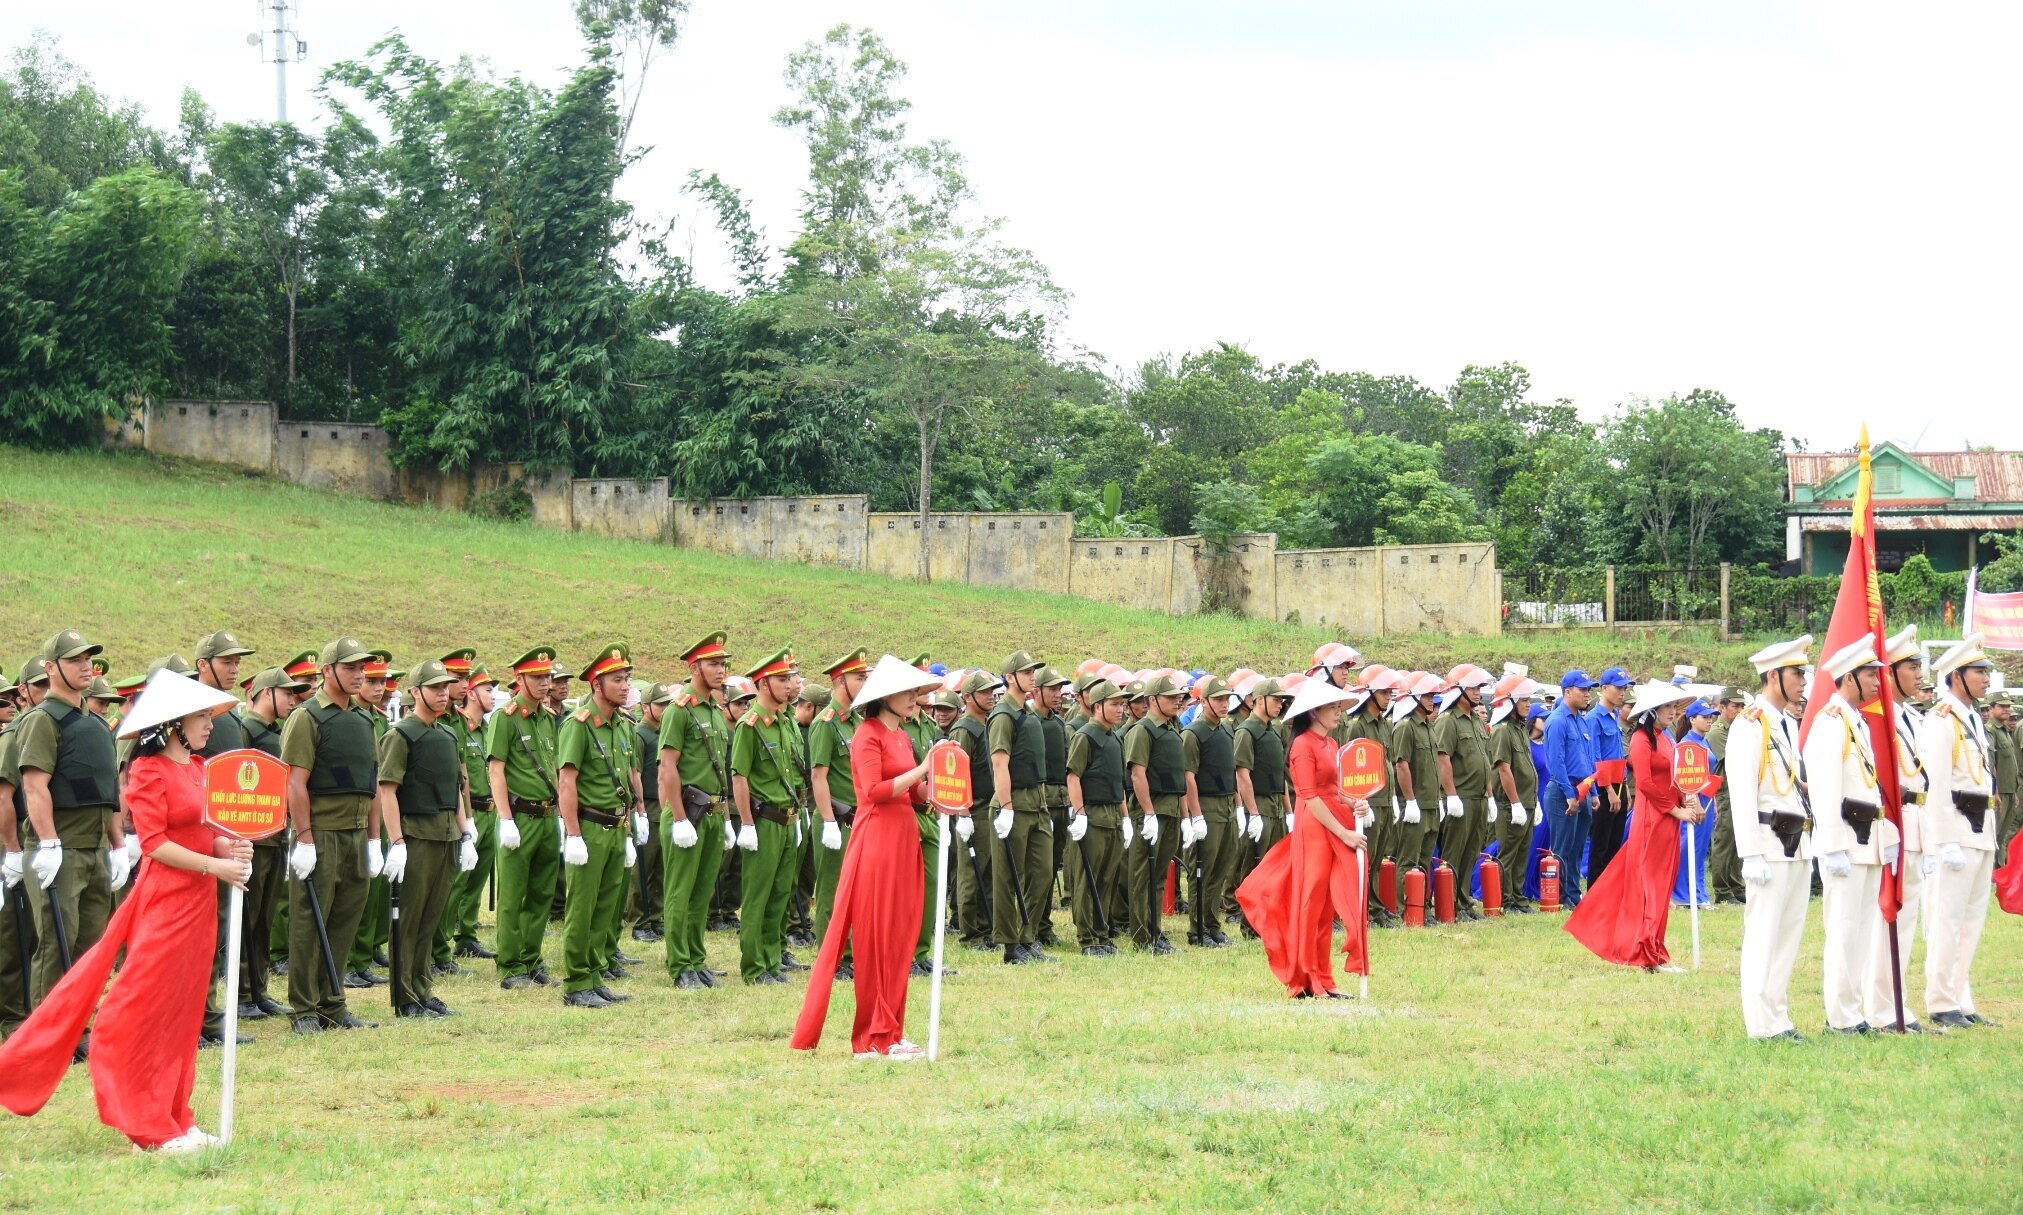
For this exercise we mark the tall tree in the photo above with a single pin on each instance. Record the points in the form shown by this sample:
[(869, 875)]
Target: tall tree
[(271, 178)]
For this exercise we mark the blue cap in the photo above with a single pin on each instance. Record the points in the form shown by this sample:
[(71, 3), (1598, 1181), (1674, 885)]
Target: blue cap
[(1538, 710), (939, 668), (1699, 708), (1196, 673), (1678, 681), (1614, 677), (1576, 679)]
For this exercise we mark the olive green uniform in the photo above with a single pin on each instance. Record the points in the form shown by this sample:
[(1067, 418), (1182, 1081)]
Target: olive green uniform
[(1510, 743), (1414, 736), (467, 889), (1724, 866), (1154, 745), (264, 888), (1096, 757), (697, 731), (1209, 752), (1055, 732), (227, 734), (1384, 833), (13, 1004), (1460, 735), (375, 926), (424, 765), (920, 729), (1260, 750), (766, 751), (604, 752), (335, 745), (76, 749), (829, 747), (1027, 854), (521, 734), (649, 880), (973, 885)]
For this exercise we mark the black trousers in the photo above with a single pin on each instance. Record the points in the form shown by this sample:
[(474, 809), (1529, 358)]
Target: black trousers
[(1605, 837)]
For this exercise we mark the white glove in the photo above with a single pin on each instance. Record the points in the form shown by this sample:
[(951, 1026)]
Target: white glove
[(1453, 805), (1130, 831), (132, 849), (1495, 812), (509, 835), (396, 861), (1411, 814), (375, 859), (748, 837), (1256, 829), (1519, 816), (1890, 853), (1200, 828), (965, 828), (1288, 822), (467, 855), (47, 862), (1078, 826), (1151, 830), (1002, 824), (832, 836), (1931, 863), (1242, 822), (797, 831), (575, 851), (1756, 871), (730, 836), (10, 869), (1364, 818), (631, 853), (302, 861), (1836, 864), (118, 867), (1951, 855), (639, 828), (682, 834)]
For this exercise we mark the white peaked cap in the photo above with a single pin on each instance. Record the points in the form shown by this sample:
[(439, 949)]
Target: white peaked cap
[(1656, 695), (1783, 654), (1851, 658), (1902, 646), (170, 697), (1317, 692), (891, 677), (1966, 652)]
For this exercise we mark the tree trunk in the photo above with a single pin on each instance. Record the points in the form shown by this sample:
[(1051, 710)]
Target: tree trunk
[(920, 573), (294, 293)]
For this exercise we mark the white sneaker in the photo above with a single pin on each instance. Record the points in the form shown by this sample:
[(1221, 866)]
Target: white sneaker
[(186, 1144), (903, 1051), (1671, 968), (869, 1054)]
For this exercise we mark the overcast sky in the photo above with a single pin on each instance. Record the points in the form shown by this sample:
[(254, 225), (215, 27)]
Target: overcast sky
[(1812, 207)]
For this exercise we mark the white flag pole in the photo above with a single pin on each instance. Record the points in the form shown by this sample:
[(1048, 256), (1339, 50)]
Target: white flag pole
[(1692, 887), (230, 999), (940, 936), (1363, 870)]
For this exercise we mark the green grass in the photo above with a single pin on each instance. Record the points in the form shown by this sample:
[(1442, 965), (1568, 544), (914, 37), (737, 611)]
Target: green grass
[(147, 555), (1497, 1067)]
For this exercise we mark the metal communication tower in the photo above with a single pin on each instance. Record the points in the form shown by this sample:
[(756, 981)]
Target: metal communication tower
[(280, 46)]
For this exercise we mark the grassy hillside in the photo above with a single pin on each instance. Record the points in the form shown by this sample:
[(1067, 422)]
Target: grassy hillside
[(147, 555)]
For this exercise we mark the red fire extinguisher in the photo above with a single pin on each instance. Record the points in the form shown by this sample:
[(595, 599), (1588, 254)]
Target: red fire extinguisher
[(1169, 902), (1415, 897), (1443, 893), (1387, 885), (1491, 874), (1548, 883)]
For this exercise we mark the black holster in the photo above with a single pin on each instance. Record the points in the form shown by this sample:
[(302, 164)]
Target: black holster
[(1860, 816), (1975, 807)]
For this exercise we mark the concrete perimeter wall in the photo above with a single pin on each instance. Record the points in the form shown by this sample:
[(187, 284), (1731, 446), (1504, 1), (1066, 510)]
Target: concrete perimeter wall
[(1358, 592)]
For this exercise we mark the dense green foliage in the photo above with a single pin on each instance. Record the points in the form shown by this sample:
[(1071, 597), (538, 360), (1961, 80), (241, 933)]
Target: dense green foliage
[(448, 257)]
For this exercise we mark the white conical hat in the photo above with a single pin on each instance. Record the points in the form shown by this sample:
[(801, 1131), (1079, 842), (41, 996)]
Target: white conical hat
[(891, 677), (1656, 695), (170, 697), (1317, 692)]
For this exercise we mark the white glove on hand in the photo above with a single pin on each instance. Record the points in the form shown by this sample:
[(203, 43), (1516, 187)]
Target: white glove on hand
[(1518, 816), (396, 861), (1002, 823), (132, 849), (797, 831), (575, 851), (639, 829), (1242, 822), (302, 861), (1931, 864), (1256, 830), (1288, 822), (1836, 864), (1756, 871), (1130, 831), (10, 869), (682, 834), (1453, 805), (1890, 854), (730, 836), (509, 835), (1952, 856), (1078, 826), (631, 853), (1200, 829), (1411, 814), (375, 859), (1151, 829), (47, 862), (117, 866), (832, 836), (467, 855), (748, 837), (1495, 812)]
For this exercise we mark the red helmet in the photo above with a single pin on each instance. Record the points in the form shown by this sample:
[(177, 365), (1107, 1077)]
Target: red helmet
[(1428, 685), (1090, 666), (1369, 674)]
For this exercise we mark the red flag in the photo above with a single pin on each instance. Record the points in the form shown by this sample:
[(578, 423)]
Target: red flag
[(1858, 611)]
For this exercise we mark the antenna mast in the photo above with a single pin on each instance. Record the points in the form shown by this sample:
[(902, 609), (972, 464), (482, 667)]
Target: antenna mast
[(286, 47)]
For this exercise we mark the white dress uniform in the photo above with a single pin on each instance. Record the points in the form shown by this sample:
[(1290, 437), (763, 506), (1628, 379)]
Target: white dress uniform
[(1763, 781), (1953, 747), (1840, 773), (1879, 1005)]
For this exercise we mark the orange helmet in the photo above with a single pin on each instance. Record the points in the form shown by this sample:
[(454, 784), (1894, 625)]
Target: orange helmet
[(1468, 675), (1368, 674), (1388, 680), (1090, 666), (1291, 683), (1428, 685), (1239, 675)]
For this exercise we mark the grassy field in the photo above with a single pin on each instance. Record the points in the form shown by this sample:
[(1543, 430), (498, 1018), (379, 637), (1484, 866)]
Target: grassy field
[(1497, 1067), (147, 556)]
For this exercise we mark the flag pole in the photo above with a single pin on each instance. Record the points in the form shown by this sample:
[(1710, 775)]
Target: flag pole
[(1693, 887), (1363, 874), (230, 998), (940, 938)]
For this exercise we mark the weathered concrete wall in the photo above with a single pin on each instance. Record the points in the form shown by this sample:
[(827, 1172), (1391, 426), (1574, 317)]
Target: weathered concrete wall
[(1128, 571), (346, 456), (239, 433), (823, 530), (622, 509), (894, 546), (1342, 587), (453, 488), (1442, 588), (1241, 583), (1016, 550), (554, 500)]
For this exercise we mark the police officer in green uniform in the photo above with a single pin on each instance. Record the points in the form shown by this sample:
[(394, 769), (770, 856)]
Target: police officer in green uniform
[(1156, 759), (809, 699), (1047, 696), (694, 776), (1259, 752), (835, 793), (377, 694), (1514, 782), (766, 786), (462, 664), (520, 768), (1097, 790), (923, 731), (330, 747), (1417, 765), (598, 769), (467, 889), (649, 878), (1020, 825), (1208, 751), (1372, 720), (1462, 741), (270, 697), (219, 656), (973, 885), (421, 801), (17, 931)]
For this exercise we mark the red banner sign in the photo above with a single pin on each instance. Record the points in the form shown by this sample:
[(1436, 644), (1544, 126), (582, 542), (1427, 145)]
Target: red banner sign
[(948, 784), (246, 794), (1693, 768), (1362, 764)]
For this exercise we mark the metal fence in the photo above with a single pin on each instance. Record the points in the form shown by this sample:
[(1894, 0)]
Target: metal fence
[(1608, 595), (1660, 594)]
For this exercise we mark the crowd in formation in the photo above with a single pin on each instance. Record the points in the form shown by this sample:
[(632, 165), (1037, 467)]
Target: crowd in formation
[(726, 802)]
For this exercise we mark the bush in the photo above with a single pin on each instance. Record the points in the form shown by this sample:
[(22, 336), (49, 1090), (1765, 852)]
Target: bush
[(511, 502)]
